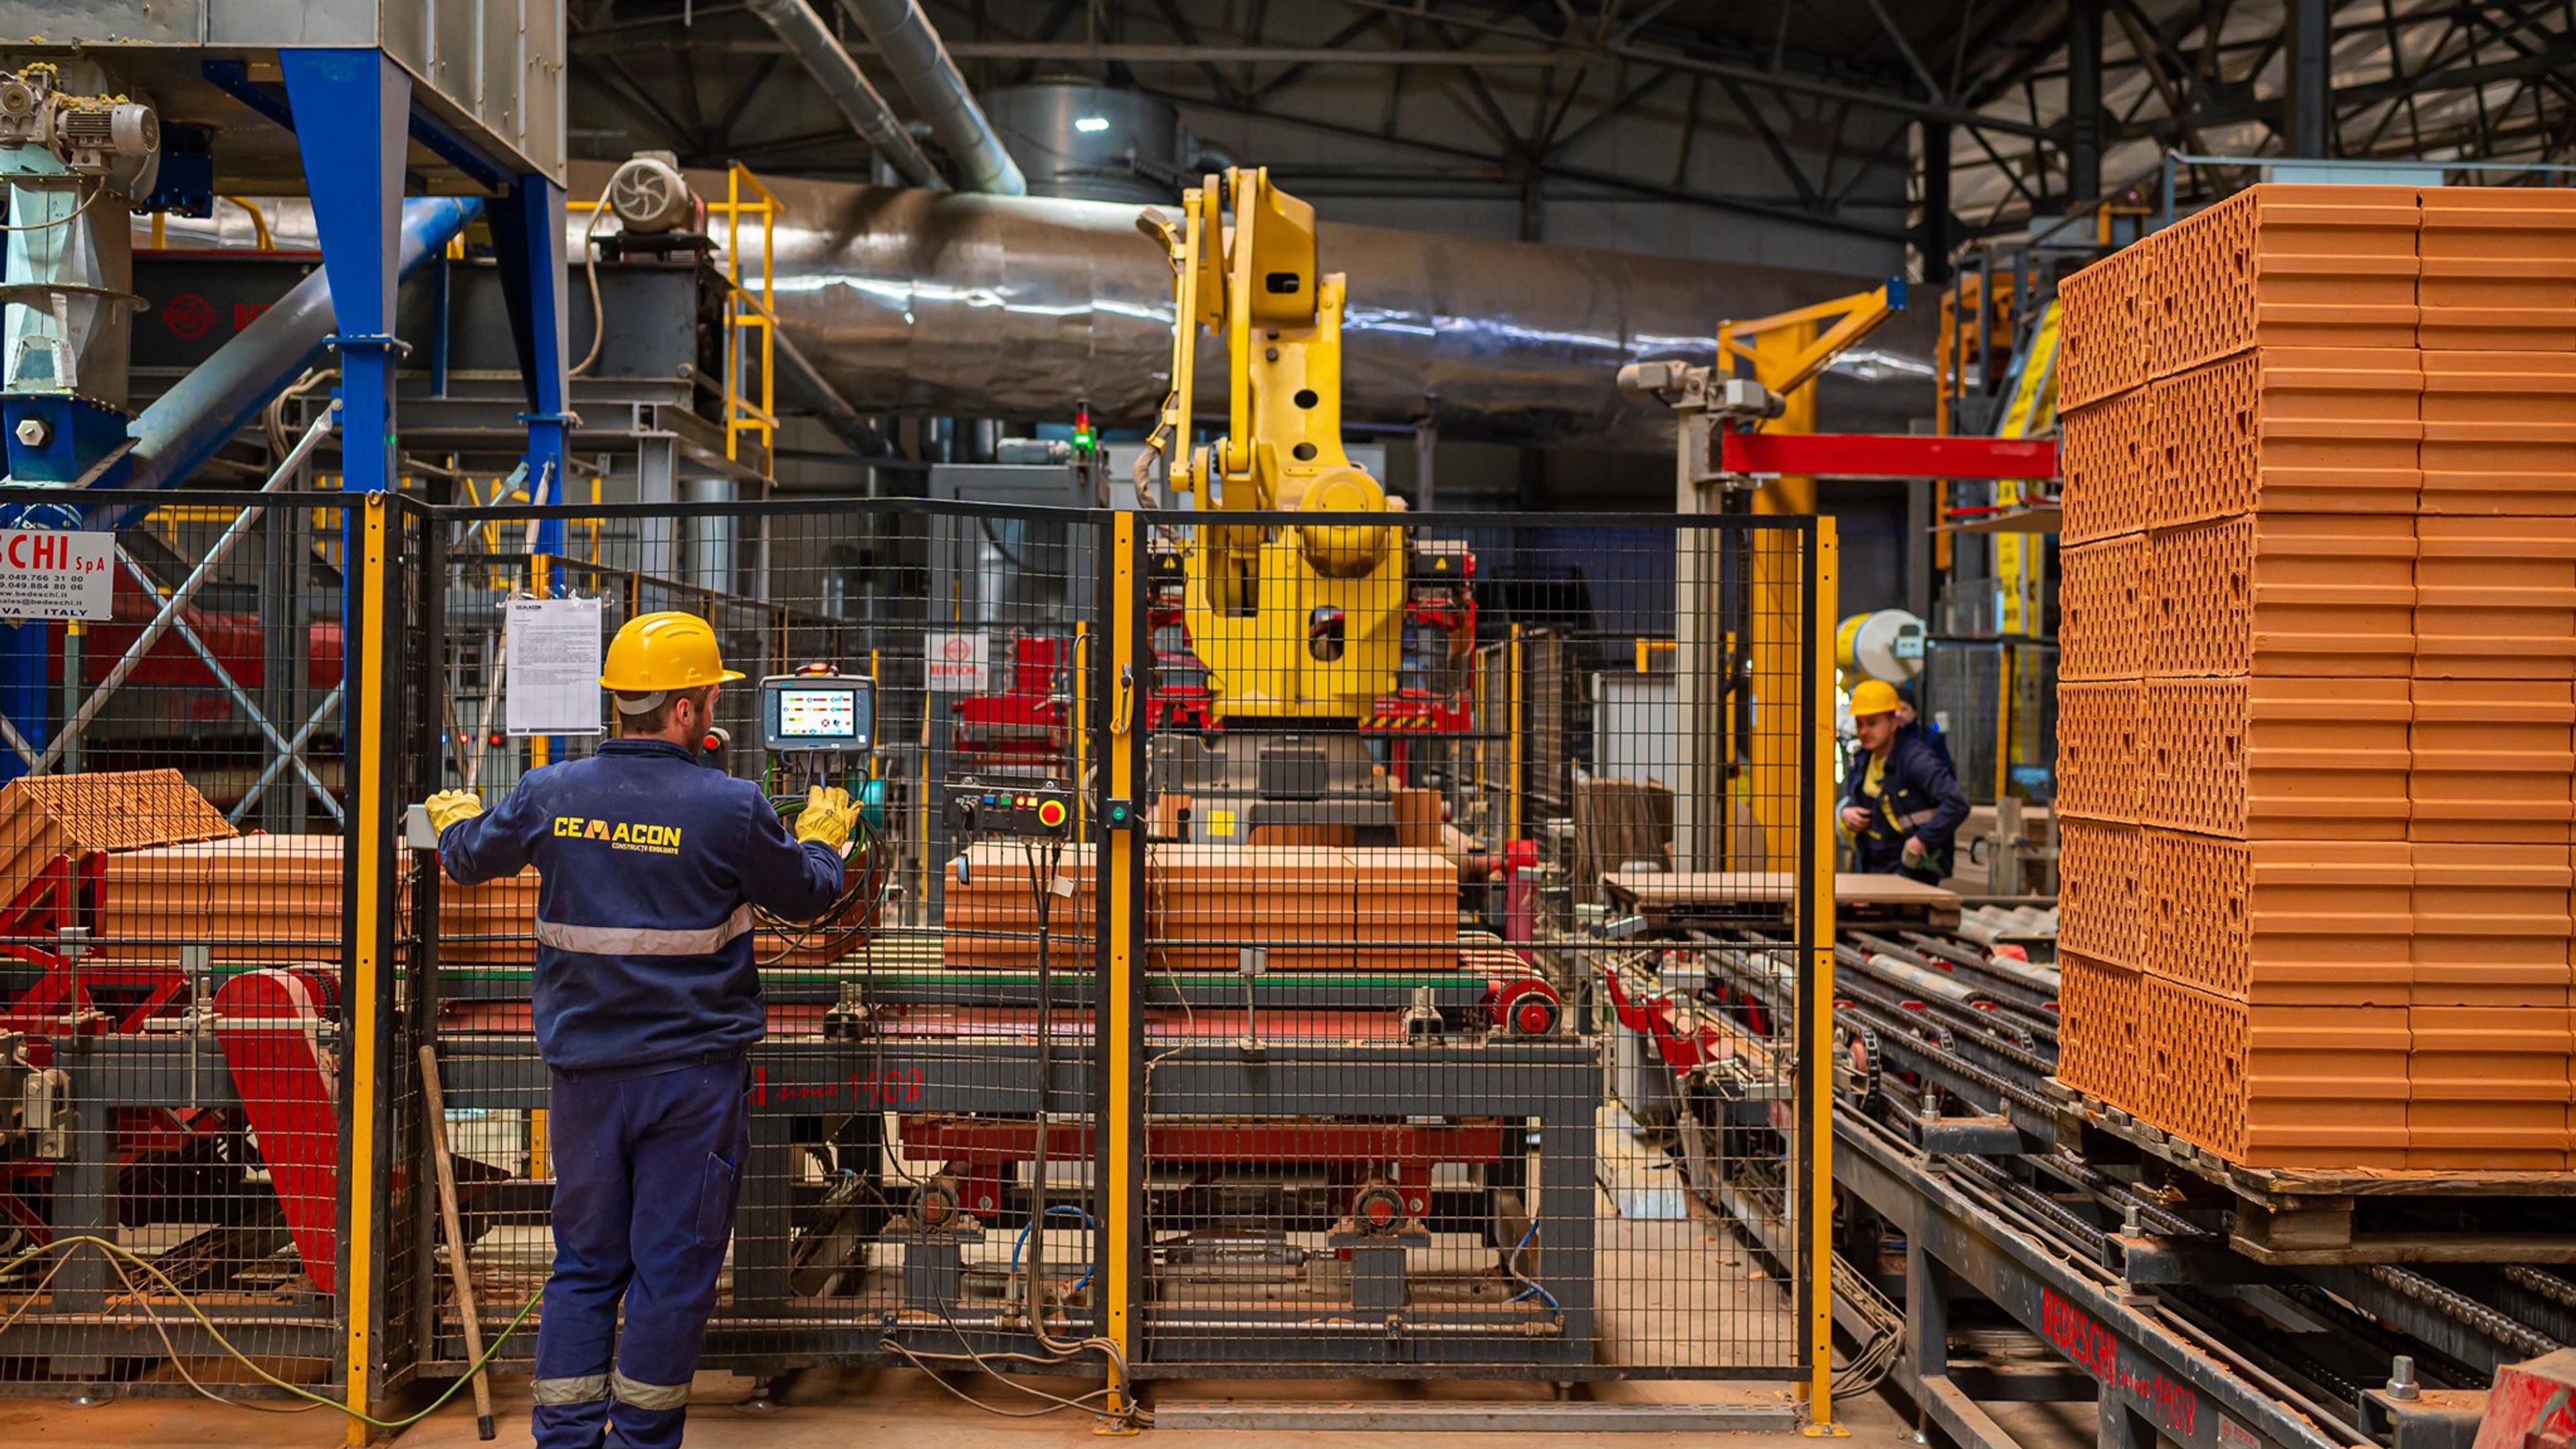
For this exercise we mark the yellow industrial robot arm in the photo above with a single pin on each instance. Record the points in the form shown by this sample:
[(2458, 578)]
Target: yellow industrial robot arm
[(1303, 621)]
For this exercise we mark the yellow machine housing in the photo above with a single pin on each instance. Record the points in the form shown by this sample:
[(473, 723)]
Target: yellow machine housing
[(1301, 621)]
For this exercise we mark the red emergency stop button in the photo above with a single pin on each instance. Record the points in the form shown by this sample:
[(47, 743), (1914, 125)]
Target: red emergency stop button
[(1051, 814)]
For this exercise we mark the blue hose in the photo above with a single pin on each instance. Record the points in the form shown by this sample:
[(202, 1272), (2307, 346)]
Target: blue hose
[(1511, 1265), (1061, 1209)]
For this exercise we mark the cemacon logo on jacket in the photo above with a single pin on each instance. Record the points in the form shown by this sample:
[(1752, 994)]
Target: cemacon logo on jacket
[(620, 834)]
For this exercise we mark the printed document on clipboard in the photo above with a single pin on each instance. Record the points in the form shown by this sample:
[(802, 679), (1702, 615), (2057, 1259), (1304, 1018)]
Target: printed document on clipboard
[(551, 681)]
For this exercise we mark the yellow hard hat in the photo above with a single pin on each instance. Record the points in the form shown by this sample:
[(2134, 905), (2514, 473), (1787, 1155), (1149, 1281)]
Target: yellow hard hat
[(669, 650), (1873, 696)]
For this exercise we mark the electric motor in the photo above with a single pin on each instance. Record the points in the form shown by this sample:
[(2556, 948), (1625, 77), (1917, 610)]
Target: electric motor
[(650, 196)]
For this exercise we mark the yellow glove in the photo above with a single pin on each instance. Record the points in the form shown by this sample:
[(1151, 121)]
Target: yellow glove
[(828, 816), (449, 806)]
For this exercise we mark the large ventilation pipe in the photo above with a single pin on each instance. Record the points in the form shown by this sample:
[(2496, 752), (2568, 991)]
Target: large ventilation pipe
[(1013, 307), (909, 46), (820, 52), (981, 306)]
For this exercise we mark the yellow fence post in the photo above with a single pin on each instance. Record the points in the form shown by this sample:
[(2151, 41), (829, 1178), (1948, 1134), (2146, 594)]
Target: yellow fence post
[(1822, 609), (1122, 1206), (370, 843), (1081, 729)]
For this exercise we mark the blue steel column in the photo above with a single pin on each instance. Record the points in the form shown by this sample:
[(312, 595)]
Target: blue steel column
[(528, 241), (355, 108), (356, 105), (27, 653)]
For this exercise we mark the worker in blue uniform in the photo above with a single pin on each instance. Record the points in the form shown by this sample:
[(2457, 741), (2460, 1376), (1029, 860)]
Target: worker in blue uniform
[(646, 1002), (1901, 803)]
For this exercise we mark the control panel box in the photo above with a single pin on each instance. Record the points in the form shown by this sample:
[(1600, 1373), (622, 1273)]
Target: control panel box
[(1010, 808), (823, 713)]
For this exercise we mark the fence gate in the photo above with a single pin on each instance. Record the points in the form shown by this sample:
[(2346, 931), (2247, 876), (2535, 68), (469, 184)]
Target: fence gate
[(1404, 795), (920, 1187)]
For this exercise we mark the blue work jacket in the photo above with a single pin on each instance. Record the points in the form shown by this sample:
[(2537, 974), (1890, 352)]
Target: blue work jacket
[(651, 863), (1917, 797)]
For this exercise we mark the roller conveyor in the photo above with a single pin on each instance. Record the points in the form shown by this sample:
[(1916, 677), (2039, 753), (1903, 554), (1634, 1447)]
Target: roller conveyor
[(1983, 1193)]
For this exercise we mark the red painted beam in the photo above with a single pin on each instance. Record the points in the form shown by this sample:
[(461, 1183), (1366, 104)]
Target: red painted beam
[(1886, 455)]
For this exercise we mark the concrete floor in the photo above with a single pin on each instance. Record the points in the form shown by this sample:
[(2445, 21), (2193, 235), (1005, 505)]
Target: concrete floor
[(829, 1409)]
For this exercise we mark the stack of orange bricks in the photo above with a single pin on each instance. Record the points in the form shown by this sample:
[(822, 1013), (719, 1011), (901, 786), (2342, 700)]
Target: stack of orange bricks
[(2317, 717)]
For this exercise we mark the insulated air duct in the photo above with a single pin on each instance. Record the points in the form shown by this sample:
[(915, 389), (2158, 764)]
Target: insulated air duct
[(983, 306)]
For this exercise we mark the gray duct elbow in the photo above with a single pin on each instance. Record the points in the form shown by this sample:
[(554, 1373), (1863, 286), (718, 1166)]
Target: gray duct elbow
[(186, 425), (911, 48), (828, 62)]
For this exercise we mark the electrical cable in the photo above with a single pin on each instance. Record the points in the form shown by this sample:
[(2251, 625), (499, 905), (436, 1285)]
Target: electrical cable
[(1512, 1265), (982, 1360), (64, 220), (834, 928), (590, 269), (118, 1254), (1060, 1404)]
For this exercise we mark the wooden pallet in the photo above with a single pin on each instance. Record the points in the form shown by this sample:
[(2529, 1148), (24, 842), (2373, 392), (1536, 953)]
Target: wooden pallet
[(1669, 900), (2326, 1216)]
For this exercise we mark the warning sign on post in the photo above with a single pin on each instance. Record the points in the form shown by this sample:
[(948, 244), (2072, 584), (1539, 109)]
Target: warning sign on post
[(49, 574), (956, 661)]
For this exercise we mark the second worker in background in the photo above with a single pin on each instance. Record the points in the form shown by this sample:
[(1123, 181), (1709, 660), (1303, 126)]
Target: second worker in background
[(1900, 802)]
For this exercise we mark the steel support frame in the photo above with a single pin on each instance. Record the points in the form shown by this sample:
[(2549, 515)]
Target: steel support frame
[(2153, 1380), (528, 240), (1552, 1079)]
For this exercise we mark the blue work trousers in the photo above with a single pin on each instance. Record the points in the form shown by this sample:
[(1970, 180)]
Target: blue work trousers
[(646, 1173)]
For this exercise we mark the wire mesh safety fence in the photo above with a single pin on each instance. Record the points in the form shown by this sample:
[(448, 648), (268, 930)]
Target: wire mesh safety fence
[(1235, 969), (901, 1200), (171, 943), (1396, 797)]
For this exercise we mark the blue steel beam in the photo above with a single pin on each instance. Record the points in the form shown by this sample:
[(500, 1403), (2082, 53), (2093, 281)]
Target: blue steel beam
[(425, 126), (354, 170), (527, 240)]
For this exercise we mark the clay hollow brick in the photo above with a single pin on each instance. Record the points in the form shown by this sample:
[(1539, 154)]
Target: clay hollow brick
[(2100, 890), (2098, 774), (2287, 266), (2495, 598), (2277, 1086), (2491, 925), (2103, 327), (2097, 1037), (2499, 268), (2499, 432), (2110, 463), (2280, 922), (2292, 429), (2493, 760), (2285, 594), (2102, 609), (2277, 759), (2488, 1087)]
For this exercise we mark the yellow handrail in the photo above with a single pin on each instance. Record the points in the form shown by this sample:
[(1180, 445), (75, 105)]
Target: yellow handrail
[(259, 231), (746, 312)]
